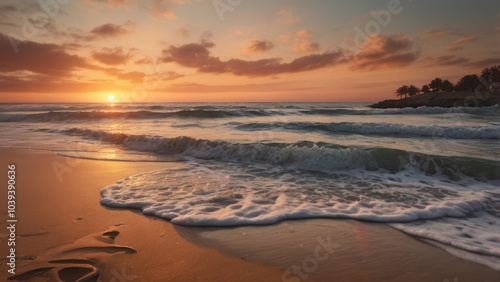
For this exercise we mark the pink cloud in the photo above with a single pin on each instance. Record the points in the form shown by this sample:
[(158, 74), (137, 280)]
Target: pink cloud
[(42, 58), (198, 56), (111, 30), (301, 41), (112, 56), (456, 45), (384, 52), (258, 47)]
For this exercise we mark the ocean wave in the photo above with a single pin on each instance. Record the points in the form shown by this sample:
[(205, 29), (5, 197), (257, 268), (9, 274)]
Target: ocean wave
[(67, 113), (74, 107), (303, 155), (405, 111), (434, 131), (99, 115), (33, 108)]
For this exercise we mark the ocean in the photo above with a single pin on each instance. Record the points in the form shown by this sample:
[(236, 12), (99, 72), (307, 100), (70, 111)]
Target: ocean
[(433, 173)]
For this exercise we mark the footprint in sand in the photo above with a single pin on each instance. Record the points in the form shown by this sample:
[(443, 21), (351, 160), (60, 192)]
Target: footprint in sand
[(78, 261)]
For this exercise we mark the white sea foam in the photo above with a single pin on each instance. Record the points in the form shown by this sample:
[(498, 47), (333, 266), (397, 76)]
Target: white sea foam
[(224, 194), (479, 233)]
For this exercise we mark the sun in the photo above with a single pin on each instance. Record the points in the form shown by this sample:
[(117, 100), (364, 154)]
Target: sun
[(111, 98)]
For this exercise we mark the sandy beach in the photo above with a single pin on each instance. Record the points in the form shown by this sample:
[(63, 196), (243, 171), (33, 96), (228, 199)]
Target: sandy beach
[(54, 215)]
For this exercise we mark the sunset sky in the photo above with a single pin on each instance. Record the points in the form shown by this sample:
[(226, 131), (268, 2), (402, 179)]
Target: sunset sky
[(238, 50)]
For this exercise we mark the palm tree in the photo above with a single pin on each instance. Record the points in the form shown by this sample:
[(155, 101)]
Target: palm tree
[(425, 89), (491, 74), (436, 84), (468, 83), (447, 86), (403, 90), (413, 91)]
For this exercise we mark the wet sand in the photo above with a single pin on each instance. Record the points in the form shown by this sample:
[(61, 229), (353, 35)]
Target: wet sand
[(64, 232)]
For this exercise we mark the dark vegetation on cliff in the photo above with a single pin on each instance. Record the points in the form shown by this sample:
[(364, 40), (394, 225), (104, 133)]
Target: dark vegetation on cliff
[(470, 91)]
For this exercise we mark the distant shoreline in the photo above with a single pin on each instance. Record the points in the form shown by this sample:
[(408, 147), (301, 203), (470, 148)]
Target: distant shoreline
[(443, 100)]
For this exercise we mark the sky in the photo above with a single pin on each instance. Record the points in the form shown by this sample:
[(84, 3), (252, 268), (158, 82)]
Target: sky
[(238, 50)]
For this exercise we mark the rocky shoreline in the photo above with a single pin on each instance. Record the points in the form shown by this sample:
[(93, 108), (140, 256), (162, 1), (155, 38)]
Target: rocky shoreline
[(444, 100)]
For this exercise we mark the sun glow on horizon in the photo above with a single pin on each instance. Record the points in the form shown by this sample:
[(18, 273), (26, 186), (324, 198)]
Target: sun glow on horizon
[(111, 98)]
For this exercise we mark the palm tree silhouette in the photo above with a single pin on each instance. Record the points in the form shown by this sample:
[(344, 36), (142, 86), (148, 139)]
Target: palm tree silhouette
[(403, 90), (447, 86), (413, 91), (468, 83), (436, 84), (491, 74), (425, 88)]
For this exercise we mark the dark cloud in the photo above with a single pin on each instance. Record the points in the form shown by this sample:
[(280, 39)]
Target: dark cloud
[(111, 30), (134, 76), (197, 56), (384, 52), (484, 63), (9, 24), (258, 47), (112, 56), (104, 31), (7, 8), (57, 30), (41, 67), (191, 87), (46, 84), (47, 59), (448, 61)]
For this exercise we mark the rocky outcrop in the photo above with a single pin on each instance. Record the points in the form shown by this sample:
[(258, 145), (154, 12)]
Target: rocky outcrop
[(444, 100)]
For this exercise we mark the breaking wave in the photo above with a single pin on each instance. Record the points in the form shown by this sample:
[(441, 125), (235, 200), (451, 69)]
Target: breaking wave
[(65, 113), (304, 155), (458, 132)]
